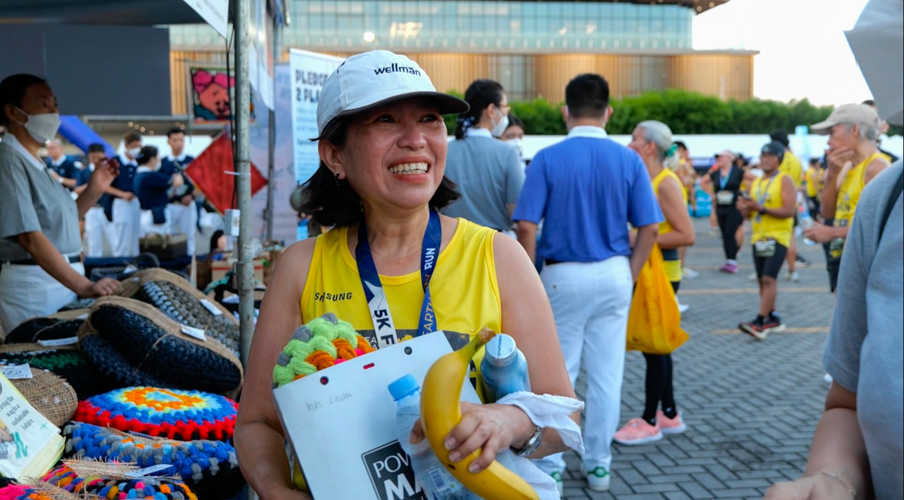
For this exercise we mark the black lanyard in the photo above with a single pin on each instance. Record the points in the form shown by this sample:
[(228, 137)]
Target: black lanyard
[(384, 328)]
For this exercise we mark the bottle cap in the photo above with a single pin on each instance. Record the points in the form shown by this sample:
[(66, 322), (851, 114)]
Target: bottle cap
[(501, 350), (404, 387)]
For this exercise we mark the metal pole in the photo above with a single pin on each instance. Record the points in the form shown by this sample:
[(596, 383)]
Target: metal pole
[(271, 132), (245, 264)]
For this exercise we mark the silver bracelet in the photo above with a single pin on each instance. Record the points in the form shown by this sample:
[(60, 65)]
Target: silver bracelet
[(841, 480)]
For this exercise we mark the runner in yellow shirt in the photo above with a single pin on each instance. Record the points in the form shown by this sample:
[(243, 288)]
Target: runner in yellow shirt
[(791, 165), (814, 177), (853, 161), (770, 206)]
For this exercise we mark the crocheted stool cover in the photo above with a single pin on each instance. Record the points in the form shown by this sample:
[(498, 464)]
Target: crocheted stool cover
[(209, 468), (185, 308), (21, 492), (171, 413), (139, 345), (65, 361), (49, 394), (322, 343), (44, 328), (149, 488)]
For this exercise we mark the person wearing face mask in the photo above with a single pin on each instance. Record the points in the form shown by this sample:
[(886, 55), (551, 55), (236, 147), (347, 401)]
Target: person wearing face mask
[(39, 237), (514, 135), (488, 173), (152, 186), (183, 211), (62, 168), (121, 205), (95, 220)]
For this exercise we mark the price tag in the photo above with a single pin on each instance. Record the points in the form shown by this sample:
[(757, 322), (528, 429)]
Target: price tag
[(58, 342), (17, 372), (194, 332), (210, 307), (82, 316), (130, 269), (148, 471)]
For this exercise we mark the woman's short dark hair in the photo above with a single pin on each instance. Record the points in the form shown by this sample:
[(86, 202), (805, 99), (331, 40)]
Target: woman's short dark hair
[(480, 94), (333, 202), (514, 121), (147, 152), (12, 91)]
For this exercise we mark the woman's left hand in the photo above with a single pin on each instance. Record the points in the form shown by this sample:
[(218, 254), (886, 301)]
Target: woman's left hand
[(103, 175), (492, 428)]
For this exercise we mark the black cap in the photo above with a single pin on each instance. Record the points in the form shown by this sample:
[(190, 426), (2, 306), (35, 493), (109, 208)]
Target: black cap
[(775, 149), (781, 137)]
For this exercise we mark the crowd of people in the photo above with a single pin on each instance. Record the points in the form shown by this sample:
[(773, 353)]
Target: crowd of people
[(587, 213)]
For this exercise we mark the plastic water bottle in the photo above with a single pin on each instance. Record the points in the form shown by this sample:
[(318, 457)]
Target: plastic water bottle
[(436, 481), (504, 368), (804, 222)]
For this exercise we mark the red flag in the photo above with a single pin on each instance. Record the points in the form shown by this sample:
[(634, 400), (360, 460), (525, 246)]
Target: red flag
[(213, 174)]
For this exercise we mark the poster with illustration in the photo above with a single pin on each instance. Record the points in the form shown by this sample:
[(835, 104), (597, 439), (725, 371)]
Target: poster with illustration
[(211, 94)]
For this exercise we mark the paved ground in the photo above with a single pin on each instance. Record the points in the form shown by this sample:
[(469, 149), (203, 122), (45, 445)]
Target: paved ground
[(751, 407)]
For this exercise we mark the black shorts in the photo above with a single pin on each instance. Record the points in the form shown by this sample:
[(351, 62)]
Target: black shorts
[(770, 266)]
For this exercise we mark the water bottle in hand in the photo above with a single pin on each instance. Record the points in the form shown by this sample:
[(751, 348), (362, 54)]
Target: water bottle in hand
[(430, 473)]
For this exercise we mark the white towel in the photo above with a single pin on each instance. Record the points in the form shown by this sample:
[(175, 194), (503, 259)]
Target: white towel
[(548, 412)]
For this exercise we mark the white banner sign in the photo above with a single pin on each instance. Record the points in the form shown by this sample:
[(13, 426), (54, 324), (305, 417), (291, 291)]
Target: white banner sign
[(214, 12), (309, 71)]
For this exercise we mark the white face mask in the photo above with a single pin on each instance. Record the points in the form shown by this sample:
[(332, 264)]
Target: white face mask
[(519, 146), (134, 152), (42, 127), (500, 127)]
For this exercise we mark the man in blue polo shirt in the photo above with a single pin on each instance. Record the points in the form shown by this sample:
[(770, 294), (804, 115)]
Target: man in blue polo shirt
[(63, 169), (587, 189), (122, 206), (182, 209)]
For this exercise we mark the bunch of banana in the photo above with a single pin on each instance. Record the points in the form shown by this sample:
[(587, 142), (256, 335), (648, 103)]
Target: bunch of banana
[(441, 412)]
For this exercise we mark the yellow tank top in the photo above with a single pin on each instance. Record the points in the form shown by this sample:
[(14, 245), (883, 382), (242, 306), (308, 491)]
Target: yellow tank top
[(670, 257), (814, 182), (464, 287), (791, 166), (849, 194), (768, 192), (464, 290)]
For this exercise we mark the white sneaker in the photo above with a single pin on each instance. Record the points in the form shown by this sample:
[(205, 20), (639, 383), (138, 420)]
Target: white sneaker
[(752, 277), (792, 276), (689, 273), (828, 378), (598, 479), (682, 308)]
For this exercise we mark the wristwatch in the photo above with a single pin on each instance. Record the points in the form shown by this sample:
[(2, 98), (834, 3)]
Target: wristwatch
[(762, 210), (532, 444)]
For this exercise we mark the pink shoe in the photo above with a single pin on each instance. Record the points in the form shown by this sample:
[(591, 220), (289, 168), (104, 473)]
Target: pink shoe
[(668, 425), (638, 431), (729, 268)]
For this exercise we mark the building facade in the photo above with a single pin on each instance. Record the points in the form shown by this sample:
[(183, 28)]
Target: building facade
[(533, 48)]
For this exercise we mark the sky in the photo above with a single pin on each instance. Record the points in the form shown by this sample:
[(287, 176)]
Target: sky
[(803, 50)]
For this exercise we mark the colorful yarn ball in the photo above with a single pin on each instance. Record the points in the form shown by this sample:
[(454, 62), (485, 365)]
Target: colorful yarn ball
[(147, 488), (320, 344), (157, 412), (209, 468)]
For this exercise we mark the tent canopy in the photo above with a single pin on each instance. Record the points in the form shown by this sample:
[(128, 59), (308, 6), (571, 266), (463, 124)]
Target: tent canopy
[(109, 12)]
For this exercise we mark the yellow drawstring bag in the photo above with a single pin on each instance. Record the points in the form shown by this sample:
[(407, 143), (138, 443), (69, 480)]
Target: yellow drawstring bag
[(654, 323)]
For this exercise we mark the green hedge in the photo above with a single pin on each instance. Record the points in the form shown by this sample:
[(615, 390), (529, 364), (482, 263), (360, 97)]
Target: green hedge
[(684, 112)]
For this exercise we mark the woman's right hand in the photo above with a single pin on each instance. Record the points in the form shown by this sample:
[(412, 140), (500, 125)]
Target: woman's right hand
[(816, 487), (101, 288)]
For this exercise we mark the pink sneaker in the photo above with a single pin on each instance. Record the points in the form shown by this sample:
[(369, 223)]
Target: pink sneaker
[(638, 431), (729, 268), (668, 425)]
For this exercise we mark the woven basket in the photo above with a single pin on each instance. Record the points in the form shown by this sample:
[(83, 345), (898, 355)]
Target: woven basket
[(209, 468), (64, 361), (170, 413), (44, 328), (50, 395), (109, 482), (138, 339)]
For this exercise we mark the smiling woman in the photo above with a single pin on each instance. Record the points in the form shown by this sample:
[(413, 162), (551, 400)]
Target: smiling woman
[(380, 183)]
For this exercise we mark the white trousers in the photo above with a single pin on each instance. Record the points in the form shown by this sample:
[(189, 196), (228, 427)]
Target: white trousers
[(95, 232), (590, 302), (28, 291), (184, 220), (123, 232)]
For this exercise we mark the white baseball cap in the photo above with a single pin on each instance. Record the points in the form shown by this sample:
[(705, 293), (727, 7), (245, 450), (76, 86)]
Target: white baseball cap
[(848, 113), (375, 78)]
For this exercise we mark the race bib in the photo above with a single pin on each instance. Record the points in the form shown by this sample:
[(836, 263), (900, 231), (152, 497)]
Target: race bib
[(764, 248), (725, 198)]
